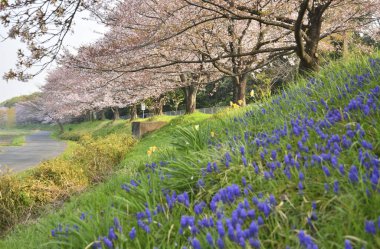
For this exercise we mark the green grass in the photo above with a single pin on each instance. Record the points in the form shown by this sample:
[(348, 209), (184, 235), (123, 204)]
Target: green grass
[(18, 141), (187, 148), (13, 136), (14, 132), (102, 128)]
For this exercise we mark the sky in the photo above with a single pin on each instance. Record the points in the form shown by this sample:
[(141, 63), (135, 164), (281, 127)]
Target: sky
[(85, 31)]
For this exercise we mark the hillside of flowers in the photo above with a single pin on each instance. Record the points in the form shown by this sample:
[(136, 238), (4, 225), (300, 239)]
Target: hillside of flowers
[(300, 170)]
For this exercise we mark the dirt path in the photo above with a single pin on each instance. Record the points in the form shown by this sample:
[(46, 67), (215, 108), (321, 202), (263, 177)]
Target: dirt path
[(38, 147)]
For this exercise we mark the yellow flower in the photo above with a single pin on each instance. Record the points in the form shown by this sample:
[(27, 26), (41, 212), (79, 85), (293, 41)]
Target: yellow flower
[(252, 93), (149, 152), (196, 127), (231, 103), (212, 134), (153, 148), (235, 106), (240, 102)]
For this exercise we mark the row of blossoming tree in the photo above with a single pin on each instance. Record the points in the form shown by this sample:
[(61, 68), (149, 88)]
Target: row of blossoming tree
[(154, 47)]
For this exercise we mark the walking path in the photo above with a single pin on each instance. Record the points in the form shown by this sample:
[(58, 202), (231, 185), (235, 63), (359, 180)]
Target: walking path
[(38, 147)]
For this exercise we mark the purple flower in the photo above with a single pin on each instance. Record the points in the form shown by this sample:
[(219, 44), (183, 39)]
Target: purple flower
[(341, 169), (244, 161), (220, 228), (301, 176), (336, 187), (209, 168), (327, 187), (243, 181), (260, 221), (353, 174), (370, 227), (82, 216), (97, 245), (132, 233), (367, 145), (272, 200), (198, 208), (265, 208), (220, 243), (306, 241), (134, 183), (255, 243), (209, 239), (243, 214), (314, 205), (253, 229), (195, 243), (347, 244), (326, 171), (231, 233), (111, 234), (242, 150), (300, 186), (242, 242), (266, 175), (274, 154), (201, 183), (116, 222), (107, 242), (252, 214)]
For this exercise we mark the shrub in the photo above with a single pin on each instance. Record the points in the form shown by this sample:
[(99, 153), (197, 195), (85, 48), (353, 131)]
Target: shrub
[(14, 200), (56, 179), (99, 156)]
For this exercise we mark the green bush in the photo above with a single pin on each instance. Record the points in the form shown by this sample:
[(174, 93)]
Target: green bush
[(99, 156)]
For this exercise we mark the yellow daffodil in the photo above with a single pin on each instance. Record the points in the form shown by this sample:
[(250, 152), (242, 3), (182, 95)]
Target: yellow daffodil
[(212, 134), (235, 106), (252, 93), (240, 102)]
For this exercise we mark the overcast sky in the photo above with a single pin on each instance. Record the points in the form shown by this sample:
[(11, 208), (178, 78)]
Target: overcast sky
[(85, 31)]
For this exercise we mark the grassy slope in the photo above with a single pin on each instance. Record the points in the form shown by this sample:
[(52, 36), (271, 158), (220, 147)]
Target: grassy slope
[(35, 233), (341, 213)]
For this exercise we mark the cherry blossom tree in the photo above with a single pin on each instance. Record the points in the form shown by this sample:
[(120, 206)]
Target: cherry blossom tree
[(309, 20)]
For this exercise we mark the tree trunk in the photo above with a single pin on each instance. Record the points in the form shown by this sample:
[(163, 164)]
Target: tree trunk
[(61, 128), (116, 114), (307, 66), (94, 116), (190, 93), (159, 105), (346, 44), (240, 85), (133, 112), (307, 50), (102, 115)]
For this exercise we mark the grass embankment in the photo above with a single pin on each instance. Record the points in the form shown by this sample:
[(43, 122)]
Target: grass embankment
[(300, 171), (85, 162), (103, 193)]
